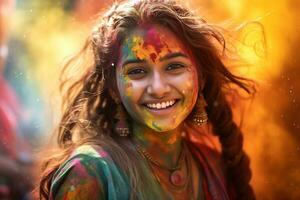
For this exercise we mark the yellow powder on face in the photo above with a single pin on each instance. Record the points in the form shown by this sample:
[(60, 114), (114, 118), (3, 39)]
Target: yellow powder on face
[(140, 52), (144, 48), (144, 52)]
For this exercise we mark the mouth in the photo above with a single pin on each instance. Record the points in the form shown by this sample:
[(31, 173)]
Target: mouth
[(161, 105)]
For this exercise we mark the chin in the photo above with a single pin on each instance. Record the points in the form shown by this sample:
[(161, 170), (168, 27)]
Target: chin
[(163, 127)]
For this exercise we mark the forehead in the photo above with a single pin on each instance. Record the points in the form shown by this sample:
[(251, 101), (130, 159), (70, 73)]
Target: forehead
[(150, 42)]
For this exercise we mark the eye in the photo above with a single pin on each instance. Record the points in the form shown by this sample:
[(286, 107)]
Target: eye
[(175, 67), (136, 73)]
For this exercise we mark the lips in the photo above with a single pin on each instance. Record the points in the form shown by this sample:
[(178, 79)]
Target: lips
[(161, 105)]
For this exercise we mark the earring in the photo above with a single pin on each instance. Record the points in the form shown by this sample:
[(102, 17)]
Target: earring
[(199, 116), (121, 127)]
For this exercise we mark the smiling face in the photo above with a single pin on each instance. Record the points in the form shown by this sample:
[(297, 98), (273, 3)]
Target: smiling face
[(157, 78)]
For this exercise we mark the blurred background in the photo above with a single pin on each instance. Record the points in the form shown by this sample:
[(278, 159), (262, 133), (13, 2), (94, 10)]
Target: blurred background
[(36, 36)]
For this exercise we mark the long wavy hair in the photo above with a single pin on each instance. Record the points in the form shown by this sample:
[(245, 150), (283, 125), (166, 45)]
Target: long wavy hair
[(88, 107)]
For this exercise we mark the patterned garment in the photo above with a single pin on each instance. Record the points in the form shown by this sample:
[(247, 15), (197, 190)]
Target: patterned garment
[(91, 174)]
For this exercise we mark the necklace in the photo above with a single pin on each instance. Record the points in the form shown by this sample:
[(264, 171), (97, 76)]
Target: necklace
[(176, 176)]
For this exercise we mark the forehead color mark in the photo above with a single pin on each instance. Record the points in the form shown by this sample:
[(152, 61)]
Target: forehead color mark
[(127, 49), (154, 39), (150, 45)]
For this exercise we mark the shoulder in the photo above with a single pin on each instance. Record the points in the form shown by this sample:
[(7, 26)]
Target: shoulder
[(85, 160), (89, 173)]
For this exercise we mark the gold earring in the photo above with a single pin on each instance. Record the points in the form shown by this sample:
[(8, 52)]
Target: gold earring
[(199, 116), (121, 127)]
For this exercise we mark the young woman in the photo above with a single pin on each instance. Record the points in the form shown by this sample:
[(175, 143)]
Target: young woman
[(139, 123)]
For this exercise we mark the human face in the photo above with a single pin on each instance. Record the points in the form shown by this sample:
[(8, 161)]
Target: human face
[(157, 78)]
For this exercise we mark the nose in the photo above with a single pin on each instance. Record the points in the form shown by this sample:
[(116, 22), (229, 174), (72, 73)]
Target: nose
[(158, 86)]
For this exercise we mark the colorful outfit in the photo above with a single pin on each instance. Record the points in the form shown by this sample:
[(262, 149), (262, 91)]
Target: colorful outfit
[(90, 173)]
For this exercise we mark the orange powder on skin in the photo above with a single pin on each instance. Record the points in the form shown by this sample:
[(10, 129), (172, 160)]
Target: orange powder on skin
[(144, 51), (151, 49)]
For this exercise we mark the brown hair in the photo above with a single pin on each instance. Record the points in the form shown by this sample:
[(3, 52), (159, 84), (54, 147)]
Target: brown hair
[(84, 114)]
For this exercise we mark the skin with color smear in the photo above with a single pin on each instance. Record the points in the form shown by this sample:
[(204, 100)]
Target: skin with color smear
[(148, 80), (154, 67)]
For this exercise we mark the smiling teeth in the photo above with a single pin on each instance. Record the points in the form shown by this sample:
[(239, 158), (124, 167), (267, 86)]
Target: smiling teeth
[(161, 105)]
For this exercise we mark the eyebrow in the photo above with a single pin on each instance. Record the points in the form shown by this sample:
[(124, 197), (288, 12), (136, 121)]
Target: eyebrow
[(130, 61), (173, 55), (166, 57)]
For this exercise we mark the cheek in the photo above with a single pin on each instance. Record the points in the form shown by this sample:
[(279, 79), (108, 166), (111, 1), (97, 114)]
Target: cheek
[(190, 84), (130, 91), (124, 85), (189, 89), (193, 86), (191, 93)]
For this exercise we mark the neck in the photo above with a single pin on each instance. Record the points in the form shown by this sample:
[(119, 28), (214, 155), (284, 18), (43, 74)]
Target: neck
[(164, 147)]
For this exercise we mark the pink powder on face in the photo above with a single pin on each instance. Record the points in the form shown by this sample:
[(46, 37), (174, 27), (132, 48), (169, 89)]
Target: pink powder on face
[(153, 39), (153, 57)]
